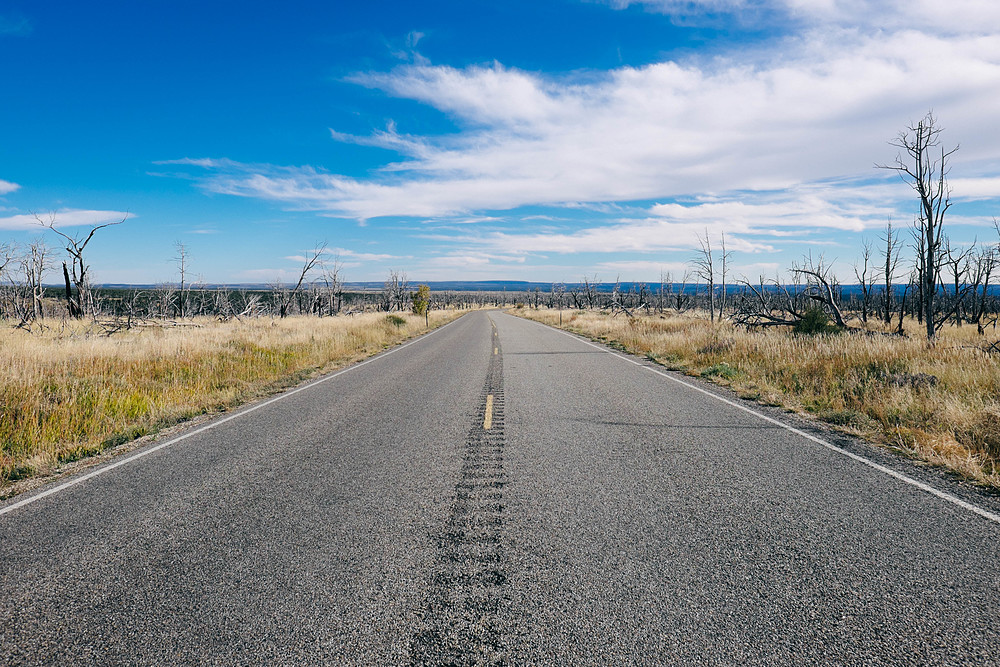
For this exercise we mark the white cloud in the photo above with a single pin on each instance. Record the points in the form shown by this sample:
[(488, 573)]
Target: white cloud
[(953, 16), (6, 187), (365, 256), (63, 218), (821, 105), (975, 188)]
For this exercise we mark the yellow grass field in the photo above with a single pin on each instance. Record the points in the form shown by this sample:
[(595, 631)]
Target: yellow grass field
[(68, 391), (940, 404)]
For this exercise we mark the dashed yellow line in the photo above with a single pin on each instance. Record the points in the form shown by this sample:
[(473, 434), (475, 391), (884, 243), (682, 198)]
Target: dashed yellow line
[(496, 350), (488, 419)]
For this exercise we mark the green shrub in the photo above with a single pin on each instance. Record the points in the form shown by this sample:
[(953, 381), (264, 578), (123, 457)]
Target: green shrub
[(395, 320), (722, 370), (814, 321)]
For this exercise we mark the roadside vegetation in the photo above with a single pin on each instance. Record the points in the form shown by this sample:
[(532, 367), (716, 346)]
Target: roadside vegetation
[(69, 390), (938, 403)]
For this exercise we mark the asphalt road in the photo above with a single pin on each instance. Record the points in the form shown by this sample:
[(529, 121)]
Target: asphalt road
[(609, 514)]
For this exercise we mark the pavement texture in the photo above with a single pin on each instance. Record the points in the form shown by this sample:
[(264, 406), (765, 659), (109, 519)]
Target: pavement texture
[(498, 492)]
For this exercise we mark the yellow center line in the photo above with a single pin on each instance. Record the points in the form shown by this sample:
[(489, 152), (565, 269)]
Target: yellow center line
[(488, 419), (496, 350)]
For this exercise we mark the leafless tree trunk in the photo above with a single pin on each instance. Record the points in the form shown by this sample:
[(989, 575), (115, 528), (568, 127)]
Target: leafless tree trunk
[(705, 271), (35, 264), (82, 303), (820, 286), (983, 264), (181, 260), (310, 263), (725, 257), (680, 301), (957, 263), (334, 285), (866, 280), (891, 257), (394, 291), (923, 164), (590, 290)]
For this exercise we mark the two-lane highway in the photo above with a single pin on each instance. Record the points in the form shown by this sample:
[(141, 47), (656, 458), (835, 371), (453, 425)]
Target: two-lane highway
[(497, 492)]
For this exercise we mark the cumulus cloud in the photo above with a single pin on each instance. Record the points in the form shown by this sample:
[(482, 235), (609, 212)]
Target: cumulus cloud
[(822, 105), (6, 187), (62, 218), (774, 146)]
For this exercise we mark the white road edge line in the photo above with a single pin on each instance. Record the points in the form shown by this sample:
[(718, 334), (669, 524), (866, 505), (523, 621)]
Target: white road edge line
[(995, 518), (213, 424)]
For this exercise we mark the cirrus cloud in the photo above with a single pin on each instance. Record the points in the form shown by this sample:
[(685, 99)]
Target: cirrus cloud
[(62, 218)]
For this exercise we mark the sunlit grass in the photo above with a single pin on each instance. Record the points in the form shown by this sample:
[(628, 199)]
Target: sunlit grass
[(67, 391), (867, 384)]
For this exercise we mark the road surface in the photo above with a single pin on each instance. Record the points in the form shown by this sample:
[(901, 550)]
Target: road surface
[(498, 492)]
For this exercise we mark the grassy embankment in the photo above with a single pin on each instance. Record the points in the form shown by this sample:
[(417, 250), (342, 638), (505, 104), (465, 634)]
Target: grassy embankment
[(867, 385), (68, 392)]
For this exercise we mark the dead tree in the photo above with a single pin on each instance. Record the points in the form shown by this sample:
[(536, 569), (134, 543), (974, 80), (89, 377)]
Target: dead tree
[(181, 260), (923, 164), (285, 298), (664, 281), (590, 290), (680, 300), (725, 256), (982, 266), (394, 291), (767, 304), (890, 267), (618, 304), (957, 264), (866, 279), (820, 284), (771, 304), (82, 303), (704, 269), (333, 285)]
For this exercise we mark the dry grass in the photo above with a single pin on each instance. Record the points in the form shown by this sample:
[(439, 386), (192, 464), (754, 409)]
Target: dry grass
[(867, 385), (69, 392)]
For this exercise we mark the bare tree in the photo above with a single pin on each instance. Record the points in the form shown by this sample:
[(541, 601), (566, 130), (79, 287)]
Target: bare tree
[(680, 300), (590, 290), (704, 269), (767, 304), (820, 285), (890, 266), (923, 164), (725, 256), (559, 295), (35, 263), (311, 261), (82, 302), (333, 284), (181, 260), (866, 279), (983, 264), (957, 264), (394, 291)]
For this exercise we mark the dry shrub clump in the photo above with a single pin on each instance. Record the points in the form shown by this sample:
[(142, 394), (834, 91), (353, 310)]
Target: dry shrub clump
[(940, 404), (69, 392)]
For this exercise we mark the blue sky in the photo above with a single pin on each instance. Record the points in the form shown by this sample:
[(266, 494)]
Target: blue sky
[(542, 140)]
